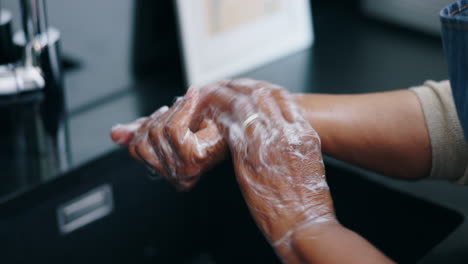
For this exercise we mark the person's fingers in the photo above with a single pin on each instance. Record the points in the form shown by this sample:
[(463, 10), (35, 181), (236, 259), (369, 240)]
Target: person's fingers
[(156, 140), (227, 102), (122, 134), (249, 86), (245, 86), (235, 114), (128, 134), (158, 114), (186, 184), (177, 129), (145, 151), (287, 106), (224, 82), (267, 104), (162, 150), (208, 131), (182, 114), (214, 146), (132, 149), (260, 91)]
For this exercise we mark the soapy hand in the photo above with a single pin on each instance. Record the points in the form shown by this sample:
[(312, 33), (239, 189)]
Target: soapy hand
[(276, 153), (277, 158), (175, 142), (178, 142)]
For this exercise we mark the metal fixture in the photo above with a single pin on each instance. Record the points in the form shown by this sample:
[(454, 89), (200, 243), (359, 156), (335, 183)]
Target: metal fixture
[(34, 142)]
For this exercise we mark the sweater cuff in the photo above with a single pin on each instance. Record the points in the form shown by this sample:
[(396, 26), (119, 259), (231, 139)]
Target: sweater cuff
[(449, 149)]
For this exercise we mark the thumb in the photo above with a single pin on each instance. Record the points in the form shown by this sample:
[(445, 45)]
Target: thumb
[(122, 134)]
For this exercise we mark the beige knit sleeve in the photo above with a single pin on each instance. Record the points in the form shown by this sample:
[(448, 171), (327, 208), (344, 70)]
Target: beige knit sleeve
[(449, 149)]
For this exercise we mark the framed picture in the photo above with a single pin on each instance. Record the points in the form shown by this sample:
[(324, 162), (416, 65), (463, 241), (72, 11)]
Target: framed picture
[(224, 38)]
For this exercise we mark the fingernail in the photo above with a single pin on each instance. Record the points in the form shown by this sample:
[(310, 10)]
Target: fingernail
[(121, 141), (178, 99), (160, 111), (117, 136), (127, 128), (117, 127)]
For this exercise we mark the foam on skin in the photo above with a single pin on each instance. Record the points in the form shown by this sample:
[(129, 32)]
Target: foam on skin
[(166, 143), (279, 164), (280, 169)]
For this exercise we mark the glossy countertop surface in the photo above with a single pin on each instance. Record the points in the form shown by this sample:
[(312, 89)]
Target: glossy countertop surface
[(351, 54)]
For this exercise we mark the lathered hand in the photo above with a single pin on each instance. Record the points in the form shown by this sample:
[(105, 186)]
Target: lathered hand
[(276, 154), (178, 142), (173, 142), (277, 158)]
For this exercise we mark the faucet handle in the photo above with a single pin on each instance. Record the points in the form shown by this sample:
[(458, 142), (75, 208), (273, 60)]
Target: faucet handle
[(17, 80)]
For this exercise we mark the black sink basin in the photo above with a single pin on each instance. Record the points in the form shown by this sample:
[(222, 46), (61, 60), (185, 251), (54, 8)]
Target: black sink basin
[(151, 223)]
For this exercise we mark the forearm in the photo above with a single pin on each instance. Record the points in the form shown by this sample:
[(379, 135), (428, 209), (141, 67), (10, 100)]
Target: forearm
[(330, 243), (384, 132)]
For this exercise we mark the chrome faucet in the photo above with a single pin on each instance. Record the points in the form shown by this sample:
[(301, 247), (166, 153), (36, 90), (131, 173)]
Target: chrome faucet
[(32, 97), (25, 75)]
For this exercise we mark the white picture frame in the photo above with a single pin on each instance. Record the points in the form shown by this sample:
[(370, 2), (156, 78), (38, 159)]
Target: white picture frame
[(221, 38)]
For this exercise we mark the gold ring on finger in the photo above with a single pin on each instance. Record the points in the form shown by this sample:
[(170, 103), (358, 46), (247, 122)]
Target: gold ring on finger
[(250, 120)]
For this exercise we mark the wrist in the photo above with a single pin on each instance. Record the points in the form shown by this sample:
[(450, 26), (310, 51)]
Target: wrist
[(319, 112), (314, 231), (317, 209), (310, 237), (283, 234), (292, 245)]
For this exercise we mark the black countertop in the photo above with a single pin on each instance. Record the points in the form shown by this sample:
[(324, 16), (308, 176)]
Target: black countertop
[(351, 54)]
